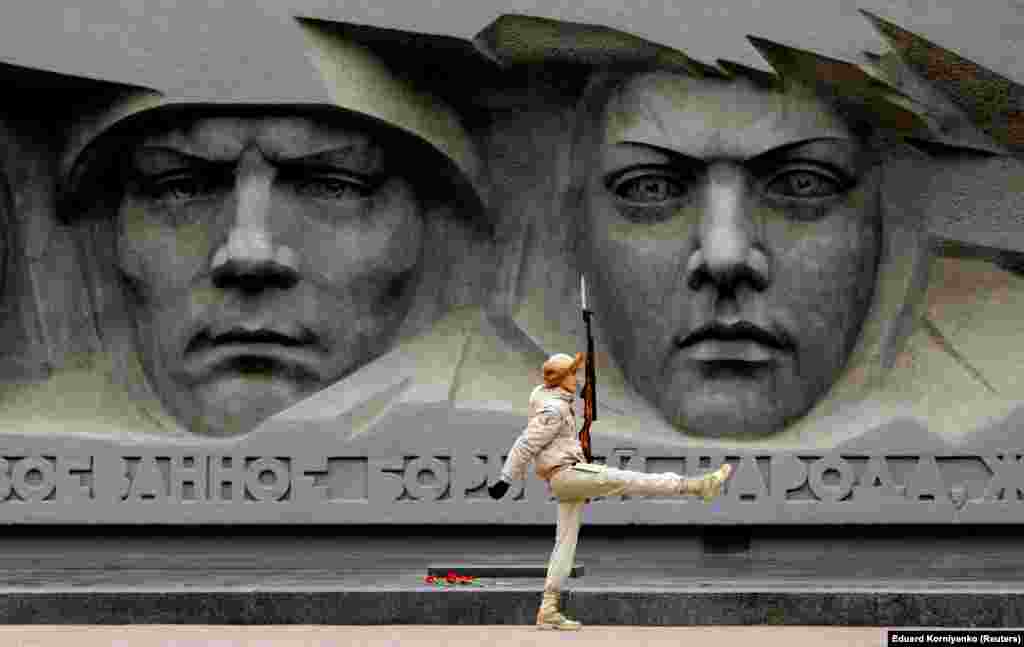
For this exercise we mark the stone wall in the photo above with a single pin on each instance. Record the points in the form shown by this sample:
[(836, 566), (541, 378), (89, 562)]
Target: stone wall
[(812, 273)]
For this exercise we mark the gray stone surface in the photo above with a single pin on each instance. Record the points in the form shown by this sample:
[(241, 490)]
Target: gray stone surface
[(913, 411), (978, 201), (850, 578), (121, 38)]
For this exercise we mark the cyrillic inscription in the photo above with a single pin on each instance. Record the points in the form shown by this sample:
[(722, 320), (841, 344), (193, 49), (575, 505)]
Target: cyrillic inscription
[(807, 484)]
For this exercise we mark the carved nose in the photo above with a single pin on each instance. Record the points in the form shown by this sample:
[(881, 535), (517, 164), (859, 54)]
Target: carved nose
[(249, 260), (253, 276), (251, 263), (728, 253)]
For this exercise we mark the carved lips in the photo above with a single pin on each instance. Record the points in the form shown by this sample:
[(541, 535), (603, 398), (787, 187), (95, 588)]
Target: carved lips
[(252, 345), (740, 341)]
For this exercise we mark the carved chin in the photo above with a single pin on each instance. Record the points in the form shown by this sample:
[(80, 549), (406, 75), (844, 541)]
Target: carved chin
[(236, 405), (725, 423), (736, 414)]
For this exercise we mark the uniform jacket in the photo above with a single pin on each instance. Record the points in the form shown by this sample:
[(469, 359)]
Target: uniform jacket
[(549, 438)]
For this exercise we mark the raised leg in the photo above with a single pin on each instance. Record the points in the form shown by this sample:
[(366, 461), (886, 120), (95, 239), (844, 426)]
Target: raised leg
[(608, 481)]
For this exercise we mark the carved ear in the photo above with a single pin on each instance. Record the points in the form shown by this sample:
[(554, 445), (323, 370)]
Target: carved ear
[(579, 361)]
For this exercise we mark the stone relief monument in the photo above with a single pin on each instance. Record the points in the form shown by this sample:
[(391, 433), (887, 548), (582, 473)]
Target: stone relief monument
[(709, 360), (266, 252), (45, 316), (326, 299)]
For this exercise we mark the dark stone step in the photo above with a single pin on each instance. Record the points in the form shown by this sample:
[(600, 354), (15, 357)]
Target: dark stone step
[(497, 570)]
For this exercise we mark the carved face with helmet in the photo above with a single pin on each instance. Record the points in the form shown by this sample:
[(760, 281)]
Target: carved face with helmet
[(267, 251)]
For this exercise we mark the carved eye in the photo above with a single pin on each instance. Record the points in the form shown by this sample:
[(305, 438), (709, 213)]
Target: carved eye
[(177, 187), (805, 183), (647, 186), (334, 187)]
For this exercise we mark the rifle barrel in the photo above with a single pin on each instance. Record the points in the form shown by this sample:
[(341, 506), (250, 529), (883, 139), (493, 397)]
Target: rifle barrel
[(591, 371)]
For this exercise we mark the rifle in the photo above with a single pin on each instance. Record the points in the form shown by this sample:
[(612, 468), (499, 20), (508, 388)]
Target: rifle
[(590, 385)]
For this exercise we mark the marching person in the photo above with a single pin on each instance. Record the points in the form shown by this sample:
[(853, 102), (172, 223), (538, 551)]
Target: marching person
[(550, 441)]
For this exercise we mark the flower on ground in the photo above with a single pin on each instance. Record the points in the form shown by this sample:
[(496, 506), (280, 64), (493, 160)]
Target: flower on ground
[(452, 579)]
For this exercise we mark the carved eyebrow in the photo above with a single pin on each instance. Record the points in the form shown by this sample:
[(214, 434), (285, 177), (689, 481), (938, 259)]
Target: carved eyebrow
[(824, 145), (843, 155), (820, 144), (673, 155), (353, 157), (153, 160)]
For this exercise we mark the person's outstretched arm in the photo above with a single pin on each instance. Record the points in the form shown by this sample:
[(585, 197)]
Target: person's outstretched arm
[(538, 434)]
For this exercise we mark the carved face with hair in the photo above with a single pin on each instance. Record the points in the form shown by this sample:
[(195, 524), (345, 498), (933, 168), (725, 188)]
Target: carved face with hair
[(733, 233)]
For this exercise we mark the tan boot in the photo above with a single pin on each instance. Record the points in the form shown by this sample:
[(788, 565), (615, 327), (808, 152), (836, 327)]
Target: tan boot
[(548, 616), (710, 485)]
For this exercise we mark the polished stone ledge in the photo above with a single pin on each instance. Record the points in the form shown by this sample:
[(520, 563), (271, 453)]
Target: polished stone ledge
[(708, 606)]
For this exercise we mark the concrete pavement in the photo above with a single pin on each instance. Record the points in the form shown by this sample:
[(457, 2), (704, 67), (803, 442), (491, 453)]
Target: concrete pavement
[(422, 636)]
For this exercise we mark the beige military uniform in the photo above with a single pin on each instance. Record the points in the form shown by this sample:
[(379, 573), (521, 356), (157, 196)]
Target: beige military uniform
[(550, 441)]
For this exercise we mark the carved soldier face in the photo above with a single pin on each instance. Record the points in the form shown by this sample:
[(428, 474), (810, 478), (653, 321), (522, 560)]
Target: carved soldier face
[(734, 235), (269, 257)]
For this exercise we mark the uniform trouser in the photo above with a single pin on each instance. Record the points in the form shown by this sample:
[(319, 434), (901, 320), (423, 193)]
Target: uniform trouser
[(573, 487)]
